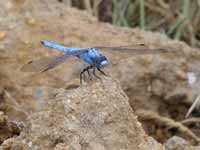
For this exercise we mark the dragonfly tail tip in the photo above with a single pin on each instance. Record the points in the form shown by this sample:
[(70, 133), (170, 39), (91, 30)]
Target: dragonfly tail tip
[(42, 42)]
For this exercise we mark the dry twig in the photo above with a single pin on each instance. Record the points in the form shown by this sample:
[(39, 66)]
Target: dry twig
[(191, 120), (197, 100), (148, 115)]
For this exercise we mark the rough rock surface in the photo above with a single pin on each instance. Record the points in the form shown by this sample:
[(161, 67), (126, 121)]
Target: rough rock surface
[(178, 143), (158, 82), (91, 117)]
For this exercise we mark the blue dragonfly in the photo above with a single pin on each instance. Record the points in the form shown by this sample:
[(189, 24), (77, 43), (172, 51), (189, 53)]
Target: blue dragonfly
[(90, 55)]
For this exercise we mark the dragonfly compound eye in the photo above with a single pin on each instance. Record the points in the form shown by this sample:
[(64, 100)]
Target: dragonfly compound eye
[(103, 61)]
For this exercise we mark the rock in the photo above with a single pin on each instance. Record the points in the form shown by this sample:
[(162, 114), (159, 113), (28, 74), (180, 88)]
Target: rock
[(178, 143), (10, 107), (96, 116), (8, 129), (26, 23), (157, 82)]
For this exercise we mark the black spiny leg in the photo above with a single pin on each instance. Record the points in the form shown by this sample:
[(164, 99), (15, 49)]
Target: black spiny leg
[(94, 73), (88, 71), (82, 72), (102, 72)]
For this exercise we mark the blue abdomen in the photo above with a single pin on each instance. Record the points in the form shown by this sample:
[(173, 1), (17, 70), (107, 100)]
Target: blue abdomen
[(69, 50)]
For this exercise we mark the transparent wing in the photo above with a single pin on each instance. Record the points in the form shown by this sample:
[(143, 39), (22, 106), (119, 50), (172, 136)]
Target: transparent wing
[(44, 64), (136, 49)]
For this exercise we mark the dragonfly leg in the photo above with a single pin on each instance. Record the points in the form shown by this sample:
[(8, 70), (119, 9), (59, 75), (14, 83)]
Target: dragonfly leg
[(88, 71), (94, 73), (81, 74), (84, 77), (84, 70), (102, 72), (81, 77)]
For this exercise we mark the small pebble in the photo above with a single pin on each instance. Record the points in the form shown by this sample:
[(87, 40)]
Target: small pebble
[(29, 144), (191, 76), (181, 75)]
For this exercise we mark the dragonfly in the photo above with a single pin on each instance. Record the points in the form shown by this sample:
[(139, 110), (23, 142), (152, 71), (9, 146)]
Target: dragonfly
[(89, 55)]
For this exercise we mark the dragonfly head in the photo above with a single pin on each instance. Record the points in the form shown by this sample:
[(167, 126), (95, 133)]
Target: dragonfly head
[(102, 61)]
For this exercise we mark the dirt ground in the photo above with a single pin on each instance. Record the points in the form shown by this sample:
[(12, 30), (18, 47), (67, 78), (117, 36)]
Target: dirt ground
[(160, 87)]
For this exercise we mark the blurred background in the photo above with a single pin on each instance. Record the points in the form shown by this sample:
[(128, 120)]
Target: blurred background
[(178, 19), (161, 87)]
